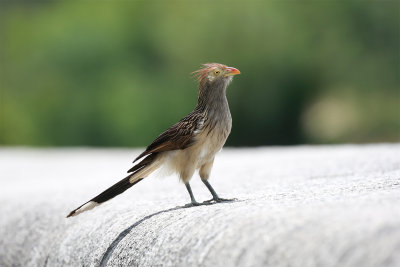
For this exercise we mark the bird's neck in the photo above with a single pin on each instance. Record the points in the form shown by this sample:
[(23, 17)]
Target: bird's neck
[(212, 96)]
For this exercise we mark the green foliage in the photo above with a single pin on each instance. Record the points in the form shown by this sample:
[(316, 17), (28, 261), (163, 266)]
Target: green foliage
[(116, 73)]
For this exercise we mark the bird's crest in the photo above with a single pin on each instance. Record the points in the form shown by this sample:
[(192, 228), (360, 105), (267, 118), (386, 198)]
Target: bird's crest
[(201, 73)]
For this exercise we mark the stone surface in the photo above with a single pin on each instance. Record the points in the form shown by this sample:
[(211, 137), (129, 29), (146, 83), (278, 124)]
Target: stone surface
[(297, 206)]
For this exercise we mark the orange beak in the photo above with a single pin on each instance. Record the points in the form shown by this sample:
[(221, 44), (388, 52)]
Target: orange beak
[(232, 71)]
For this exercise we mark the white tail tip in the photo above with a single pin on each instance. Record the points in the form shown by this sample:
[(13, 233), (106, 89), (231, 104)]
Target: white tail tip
[(88, 206)]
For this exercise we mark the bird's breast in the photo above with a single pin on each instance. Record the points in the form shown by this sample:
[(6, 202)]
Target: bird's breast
[(213, 136)]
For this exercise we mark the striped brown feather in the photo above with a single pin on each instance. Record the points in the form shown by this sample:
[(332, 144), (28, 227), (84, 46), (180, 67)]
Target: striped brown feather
[(178, 136), (146, 161)]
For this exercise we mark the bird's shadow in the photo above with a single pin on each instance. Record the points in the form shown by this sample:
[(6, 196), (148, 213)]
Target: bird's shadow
[(123, 234)]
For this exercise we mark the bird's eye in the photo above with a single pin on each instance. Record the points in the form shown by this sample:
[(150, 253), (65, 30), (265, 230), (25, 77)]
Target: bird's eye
[(216, 72)]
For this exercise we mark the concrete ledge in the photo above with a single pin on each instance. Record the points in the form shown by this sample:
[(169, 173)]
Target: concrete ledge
[(298, 206)]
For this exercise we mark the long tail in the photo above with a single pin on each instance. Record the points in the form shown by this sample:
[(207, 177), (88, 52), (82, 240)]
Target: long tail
[(138, 173)]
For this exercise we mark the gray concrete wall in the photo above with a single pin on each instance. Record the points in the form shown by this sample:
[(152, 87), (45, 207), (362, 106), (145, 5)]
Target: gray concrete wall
[(298, 206)]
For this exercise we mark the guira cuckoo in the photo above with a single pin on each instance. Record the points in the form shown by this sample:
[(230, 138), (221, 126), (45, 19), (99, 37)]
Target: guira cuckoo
[(188, 145)]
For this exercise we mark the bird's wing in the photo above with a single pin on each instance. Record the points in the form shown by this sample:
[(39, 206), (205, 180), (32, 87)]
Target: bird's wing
[(179, 136)]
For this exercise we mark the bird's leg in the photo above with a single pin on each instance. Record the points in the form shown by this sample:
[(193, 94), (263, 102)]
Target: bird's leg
[(193, 200), (215, 198)]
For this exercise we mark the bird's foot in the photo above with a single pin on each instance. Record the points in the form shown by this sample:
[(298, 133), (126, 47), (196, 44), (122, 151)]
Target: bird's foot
[(192, 204), (219, 200)]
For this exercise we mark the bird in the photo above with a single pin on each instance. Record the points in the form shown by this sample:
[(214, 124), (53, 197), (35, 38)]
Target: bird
[(189, 145)]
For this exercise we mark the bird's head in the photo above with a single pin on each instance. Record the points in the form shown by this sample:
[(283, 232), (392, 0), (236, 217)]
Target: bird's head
[(215, 72)]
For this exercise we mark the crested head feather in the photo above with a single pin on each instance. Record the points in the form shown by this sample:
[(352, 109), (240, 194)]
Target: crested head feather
[(202, 73)]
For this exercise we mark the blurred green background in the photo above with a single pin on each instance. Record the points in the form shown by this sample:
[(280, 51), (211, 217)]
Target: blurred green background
[(117, 73)]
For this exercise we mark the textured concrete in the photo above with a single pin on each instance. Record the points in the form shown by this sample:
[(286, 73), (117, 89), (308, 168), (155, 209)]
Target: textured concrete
[(298, 206)]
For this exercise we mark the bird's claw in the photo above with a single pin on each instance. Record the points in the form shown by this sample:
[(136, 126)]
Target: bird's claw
[(209, 202), (192, 204), (219, 200)]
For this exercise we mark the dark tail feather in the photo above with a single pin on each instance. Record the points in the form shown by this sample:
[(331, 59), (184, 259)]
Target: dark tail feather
[(118, 188), (108, 194), (115, 190)]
